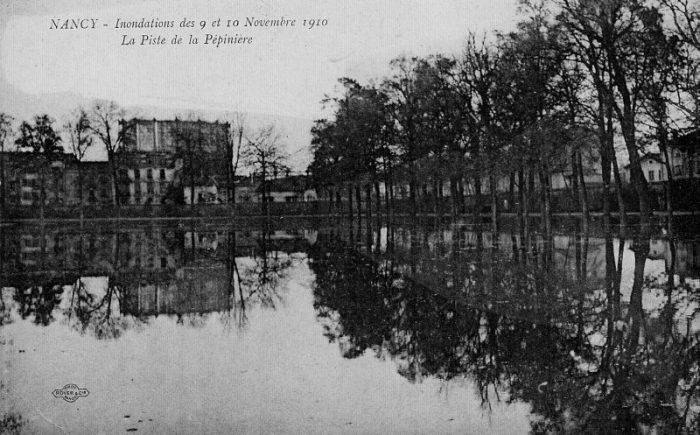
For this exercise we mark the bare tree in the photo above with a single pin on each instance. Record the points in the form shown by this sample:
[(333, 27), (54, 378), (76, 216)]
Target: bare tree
[(79, 134), (619, 43), (106, 122), (233, 150), (263, 152)]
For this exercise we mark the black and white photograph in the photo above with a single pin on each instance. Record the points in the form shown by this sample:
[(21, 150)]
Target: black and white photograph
[(350, 217)]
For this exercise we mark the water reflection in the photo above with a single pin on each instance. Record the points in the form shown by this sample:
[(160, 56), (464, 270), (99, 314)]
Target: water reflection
[(587, 329), (105, 282), (595, 331)]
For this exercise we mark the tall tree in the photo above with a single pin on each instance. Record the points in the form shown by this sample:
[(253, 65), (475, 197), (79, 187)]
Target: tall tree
[(354, 144), (478, 74), (234, 146), (616, 41), (106, 122), (406, 117), (264, 153), (81, 139), (529, 105)]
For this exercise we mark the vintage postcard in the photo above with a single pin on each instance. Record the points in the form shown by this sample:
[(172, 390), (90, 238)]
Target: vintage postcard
[(349, 216)]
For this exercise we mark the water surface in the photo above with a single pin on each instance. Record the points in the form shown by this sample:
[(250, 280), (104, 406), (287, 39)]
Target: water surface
[(337, 327)]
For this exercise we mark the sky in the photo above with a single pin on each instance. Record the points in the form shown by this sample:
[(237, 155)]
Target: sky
[(280, 77)]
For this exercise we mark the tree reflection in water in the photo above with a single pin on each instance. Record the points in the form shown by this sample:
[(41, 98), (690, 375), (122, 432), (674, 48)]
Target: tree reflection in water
[(98, 312), (107, 282), (256, 282), (523, 322)]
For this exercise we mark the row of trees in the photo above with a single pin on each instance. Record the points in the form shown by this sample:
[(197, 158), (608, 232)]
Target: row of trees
[(574, 79), (103, 125), (83, 128)]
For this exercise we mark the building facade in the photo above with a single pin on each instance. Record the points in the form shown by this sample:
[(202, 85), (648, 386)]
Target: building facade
[(163, 161)]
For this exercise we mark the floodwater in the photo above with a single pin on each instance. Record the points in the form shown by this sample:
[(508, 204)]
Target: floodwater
[(295, 327)]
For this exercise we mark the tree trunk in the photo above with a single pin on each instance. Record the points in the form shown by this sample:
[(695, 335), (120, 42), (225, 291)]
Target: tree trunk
[(263, 198), (412, 188), (42, 191), (546, 201), (605, 163), (668, 186), (575, 180), (511, 191), (435, 196), (494, 203), (387, 200), (622, 208), (453, 197), (112, 156), (583, 195), (192, 182), (377, 193), (522, 206), (368, 206), (478, 206), (532, 202), (80, 188)]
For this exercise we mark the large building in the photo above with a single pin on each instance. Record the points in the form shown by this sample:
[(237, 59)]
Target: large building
[(24, 175), (161, 160)]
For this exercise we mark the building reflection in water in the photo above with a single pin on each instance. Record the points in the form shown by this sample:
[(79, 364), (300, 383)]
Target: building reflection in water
[(105, 282), (599, 334)]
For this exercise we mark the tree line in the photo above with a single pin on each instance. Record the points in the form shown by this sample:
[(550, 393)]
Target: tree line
[(574, 80)]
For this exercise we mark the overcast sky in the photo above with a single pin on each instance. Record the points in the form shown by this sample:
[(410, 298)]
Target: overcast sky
[(283, 73)]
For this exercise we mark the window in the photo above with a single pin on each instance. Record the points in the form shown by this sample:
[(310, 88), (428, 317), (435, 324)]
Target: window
[(162, 174), (661, 177), (651, 175), (678, 170), (149, 174), (137, 174)]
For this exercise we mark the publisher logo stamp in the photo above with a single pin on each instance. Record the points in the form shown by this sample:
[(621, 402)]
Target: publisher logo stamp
[(70, 393)]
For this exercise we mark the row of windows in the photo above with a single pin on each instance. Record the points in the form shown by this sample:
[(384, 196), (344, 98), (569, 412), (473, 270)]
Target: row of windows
[(149, 174), (677, 171)]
